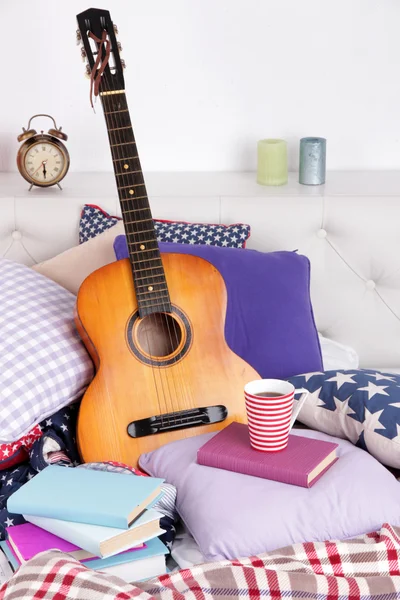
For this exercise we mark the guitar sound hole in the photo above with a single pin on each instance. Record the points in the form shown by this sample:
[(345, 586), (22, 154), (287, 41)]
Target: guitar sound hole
[(158, 335)]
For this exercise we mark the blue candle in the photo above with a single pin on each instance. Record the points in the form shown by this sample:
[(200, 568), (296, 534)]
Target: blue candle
[(312, 161)]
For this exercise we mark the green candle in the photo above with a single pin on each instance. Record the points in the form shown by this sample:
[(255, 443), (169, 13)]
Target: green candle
[(272, 164)]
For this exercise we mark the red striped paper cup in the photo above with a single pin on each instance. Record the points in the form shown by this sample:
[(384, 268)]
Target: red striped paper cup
[(269, 417)]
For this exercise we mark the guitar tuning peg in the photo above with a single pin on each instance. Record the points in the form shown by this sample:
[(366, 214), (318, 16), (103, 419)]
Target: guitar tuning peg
[(123, 64), (78, 37), (83, 54), (119, 46), (88, 72), (115, 29)]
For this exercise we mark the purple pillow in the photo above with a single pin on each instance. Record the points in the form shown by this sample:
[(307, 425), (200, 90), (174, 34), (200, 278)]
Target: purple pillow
[(269, 320), (231, 515)]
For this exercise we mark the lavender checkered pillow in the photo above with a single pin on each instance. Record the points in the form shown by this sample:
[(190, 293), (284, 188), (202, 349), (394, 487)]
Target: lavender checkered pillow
[(43, 364), (94, 220)]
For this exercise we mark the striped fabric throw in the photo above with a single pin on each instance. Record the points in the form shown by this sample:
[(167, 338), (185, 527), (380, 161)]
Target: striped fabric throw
[(365, 568)]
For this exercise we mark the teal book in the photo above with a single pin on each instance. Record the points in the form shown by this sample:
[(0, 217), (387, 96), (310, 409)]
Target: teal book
[(86, 496), (141, 565)]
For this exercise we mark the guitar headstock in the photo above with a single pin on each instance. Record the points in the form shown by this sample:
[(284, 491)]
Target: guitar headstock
[(94, 25)]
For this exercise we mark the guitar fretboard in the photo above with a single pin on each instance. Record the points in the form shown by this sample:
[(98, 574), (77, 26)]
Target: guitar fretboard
[(149, 276)]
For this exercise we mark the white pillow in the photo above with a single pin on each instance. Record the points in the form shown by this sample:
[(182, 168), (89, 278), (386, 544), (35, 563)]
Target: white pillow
[(71, 267), (337, 356)]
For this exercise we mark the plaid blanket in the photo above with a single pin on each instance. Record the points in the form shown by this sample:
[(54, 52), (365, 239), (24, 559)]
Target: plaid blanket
[(364, 568)]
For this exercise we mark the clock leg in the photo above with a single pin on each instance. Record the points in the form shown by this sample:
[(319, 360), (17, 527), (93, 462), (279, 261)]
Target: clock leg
[(30, 187), (59, 186)]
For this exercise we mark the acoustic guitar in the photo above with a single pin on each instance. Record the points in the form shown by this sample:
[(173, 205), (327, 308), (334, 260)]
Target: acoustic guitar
[(153, 323)]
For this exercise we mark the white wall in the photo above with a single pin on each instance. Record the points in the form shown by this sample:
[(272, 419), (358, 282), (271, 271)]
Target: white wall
[(207, 78)]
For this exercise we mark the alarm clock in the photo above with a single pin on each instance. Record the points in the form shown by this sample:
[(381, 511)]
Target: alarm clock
[(43, 159)]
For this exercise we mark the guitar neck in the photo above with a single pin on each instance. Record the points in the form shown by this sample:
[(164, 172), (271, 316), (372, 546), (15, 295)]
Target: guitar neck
[(149, 276)]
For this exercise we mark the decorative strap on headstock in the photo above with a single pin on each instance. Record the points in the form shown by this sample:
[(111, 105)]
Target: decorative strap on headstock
[(99, 65)]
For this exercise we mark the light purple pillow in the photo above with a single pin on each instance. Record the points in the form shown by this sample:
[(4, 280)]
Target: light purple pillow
[(231, 515), (43, 364)]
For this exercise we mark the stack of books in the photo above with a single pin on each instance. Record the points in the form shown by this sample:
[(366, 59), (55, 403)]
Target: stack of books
[(102, 519)]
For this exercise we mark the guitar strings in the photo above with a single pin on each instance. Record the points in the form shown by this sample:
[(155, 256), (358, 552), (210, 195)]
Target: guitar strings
[(188, 393), (130, 202), (108, 106), (164, 307), (106, 109), (166, 321)]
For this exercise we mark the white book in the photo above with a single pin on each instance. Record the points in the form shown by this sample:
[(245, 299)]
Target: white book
[(138, 570), (103, 541), (6, 571)]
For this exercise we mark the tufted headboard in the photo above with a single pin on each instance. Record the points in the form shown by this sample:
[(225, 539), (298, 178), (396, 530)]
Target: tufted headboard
[(349, 229)]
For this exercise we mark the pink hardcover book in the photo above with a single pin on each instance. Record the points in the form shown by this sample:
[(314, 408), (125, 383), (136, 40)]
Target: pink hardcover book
[(301, 463), (27, 540)]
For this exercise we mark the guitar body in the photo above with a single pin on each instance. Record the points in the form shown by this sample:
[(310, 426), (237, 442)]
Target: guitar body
[(158, 365)]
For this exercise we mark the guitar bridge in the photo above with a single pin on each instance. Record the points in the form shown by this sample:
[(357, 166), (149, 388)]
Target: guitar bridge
[(182, 419)]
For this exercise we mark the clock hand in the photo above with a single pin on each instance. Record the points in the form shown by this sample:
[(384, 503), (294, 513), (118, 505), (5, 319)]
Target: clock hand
[(41, 165), (37, 170), (44, 169)]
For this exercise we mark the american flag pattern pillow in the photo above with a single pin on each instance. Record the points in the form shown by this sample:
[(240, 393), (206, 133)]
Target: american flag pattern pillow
[(361, 405), (94, 220)]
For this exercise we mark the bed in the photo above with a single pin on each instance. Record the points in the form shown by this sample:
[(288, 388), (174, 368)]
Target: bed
[(348, 229)]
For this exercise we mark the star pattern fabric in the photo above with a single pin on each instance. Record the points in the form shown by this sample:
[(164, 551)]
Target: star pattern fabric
[(361, 405), (17, 452), (56, 444), (52, 446), (95, 220)]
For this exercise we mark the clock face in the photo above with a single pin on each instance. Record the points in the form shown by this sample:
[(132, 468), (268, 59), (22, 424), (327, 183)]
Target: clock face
[(44, 162)]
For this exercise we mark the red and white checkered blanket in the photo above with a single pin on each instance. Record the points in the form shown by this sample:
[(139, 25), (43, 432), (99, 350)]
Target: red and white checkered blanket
[(365, 568)]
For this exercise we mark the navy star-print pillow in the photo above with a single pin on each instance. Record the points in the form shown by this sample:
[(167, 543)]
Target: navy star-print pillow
[(361, 405), (94, 220)]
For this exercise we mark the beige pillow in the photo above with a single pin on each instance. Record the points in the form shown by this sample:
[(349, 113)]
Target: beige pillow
[(71, 267)]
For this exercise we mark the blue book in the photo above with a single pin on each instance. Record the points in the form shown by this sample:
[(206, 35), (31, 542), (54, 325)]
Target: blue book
[(86, 496)]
